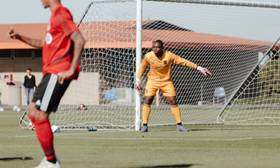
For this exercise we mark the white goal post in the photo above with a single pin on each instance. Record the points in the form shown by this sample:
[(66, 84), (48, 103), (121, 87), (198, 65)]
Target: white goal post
[(237, 41)]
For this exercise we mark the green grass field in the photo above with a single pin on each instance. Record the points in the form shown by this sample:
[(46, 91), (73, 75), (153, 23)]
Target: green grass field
[(205, 146)]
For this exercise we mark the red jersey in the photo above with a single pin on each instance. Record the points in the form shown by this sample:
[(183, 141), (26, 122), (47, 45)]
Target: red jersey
[(58, 49)]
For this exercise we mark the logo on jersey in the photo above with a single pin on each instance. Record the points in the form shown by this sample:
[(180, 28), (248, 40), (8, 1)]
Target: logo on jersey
[(159, 67), (165, 62), (146, 90), (49, 38)]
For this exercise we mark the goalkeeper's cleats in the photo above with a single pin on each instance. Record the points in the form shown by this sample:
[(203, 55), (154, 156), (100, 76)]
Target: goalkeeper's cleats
[(144, 128), (182, 129), (46, 164)]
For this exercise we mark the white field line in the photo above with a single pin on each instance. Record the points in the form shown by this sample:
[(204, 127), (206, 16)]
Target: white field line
[(188, 139), (145, 138)]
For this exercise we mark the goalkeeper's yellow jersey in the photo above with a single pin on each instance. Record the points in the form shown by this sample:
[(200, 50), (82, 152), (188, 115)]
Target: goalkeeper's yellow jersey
[(160, 67)]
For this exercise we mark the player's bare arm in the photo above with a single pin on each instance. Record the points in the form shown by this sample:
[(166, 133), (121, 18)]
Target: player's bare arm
[(79, 43), (37, 43)]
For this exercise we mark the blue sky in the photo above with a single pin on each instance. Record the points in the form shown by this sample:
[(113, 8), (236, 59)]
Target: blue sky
[(32, 11), (251, 23)]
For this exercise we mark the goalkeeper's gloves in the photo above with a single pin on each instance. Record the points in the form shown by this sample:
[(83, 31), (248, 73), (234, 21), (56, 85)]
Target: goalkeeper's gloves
[(204, 70), (137, 85)]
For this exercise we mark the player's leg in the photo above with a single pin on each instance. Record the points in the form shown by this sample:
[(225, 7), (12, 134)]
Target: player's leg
[(39, 117), (174, 109), (1, 108), (27, 95), (46, 99), (169, 92), (176, 113), (31, 93), (43, 131), (150, 92), (146, 112)]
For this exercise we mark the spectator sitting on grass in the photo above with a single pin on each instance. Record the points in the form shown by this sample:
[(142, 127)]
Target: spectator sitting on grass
[(82, 107)]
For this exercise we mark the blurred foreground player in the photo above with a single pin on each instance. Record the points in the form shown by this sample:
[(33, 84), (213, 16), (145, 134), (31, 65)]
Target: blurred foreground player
[(62, 48), (159, 78)]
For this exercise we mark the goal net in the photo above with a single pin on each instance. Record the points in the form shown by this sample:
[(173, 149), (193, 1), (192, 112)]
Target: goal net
[(229, 38), (257, 100)]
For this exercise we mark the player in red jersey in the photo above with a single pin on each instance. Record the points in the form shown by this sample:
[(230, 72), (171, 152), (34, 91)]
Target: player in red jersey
[(62, 48)]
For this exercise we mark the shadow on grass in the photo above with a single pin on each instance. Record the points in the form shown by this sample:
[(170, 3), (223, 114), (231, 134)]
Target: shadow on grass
[(168, 130), (211, 129), (169, 166), (15, 158), (200, 129)]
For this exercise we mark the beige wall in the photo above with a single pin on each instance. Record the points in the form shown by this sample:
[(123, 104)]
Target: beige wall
[(11, 92), (17, 67), (85, 90)]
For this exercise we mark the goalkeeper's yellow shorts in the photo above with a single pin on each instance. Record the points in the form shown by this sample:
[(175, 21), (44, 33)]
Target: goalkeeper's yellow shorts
[(167, 88)]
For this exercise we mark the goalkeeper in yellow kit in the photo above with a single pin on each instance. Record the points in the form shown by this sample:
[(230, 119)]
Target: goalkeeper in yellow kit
[(159, 78)]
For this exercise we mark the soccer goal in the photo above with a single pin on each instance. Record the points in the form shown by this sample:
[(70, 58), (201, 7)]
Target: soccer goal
[(237, 41)]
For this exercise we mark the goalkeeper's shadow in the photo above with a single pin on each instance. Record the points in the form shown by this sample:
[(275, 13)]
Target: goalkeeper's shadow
[(169, 166)]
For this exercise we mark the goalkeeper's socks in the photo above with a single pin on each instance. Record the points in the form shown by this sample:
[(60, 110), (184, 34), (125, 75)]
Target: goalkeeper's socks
[(179, 123), (176, 113), (146, 112), (45, 137)]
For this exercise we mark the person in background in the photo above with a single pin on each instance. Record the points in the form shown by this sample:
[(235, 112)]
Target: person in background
[(29, 85), (82, 107)]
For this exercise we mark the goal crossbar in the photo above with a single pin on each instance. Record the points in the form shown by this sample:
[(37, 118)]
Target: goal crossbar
[(229, 3)]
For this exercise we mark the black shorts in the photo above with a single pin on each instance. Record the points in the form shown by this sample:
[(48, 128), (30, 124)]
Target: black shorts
[(49, 92)]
